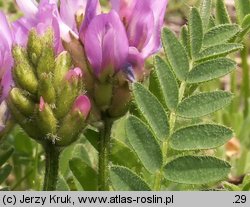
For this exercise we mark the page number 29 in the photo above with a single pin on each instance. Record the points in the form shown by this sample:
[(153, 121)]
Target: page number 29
[(240, 199)]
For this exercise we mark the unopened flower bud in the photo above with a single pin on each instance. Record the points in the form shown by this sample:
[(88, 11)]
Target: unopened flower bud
[(74, 122), (28, 124), (63, 64), (34, 46), (46, 89), (82, 104), (46, 119), (23, 73), (21, 101), (74, 74), (65, 100), (46, 63)]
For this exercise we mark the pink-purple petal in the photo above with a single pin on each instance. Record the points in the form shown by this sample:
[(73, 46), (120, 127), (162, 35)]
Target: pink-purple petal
[(106, 42)]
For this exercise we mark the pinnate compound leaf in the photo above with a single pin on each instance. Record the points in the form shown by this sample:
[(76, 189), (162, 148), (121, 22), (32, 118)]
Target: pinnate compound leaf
[(210, 70), (168, 83), (220, 34), (152, 111), (144, 143), (196, 170), (86, 175), (175, 53), (203, 104), (218, 51), (222, 15), (123, 179), (5, 155), (198, 137), (195, 31)]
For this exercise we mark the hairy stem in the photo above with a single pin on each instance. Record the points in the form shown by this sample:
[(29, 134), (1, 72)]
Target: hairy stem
[(52, 154), (104, 153)]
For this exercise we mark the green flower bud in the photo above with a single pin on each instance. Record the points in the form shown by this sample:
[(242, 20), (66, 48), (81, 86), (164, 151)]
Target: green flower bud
[(46, 119), (21, 101), (72, 126), (23, 73), (34, 46), (103, 95), (63, 64), (66, 98), (28, 124), (46, 89), (46, 63)]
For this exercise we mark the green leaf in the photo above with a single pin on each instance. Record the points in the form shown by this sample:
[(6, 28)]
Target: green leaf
[(245, 28), (168, 84), (176, 54), (62, 184), (155, 88), (5, 155), (155, 116), (246, 183), (4, 172), (196, 32), (210, 70), (222, 15), (220, 34), (218, 51), (231, 187), (123, 179), (120, 153), (196, 170), (211, 23), (144, 144), (203, 104), (92, 136), (81, 152), (86, 175), (198, 137), (205, 11), (184, 38), (242, 9)]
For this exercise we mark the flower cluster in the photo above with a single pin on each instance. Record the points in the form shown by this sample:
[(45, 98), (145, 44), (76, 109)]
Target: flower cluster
[(108, 52)]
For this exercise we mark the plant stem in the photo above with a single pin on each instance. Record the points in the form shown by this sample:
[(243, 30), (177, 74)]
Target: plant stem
[(172, 120), (159, 174), (104, 152), (52, 154), (245, 77)]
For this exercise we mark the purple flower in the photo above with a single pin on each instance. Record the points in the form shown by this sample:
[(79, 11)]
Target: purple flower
[(143, 21), (40, 16), (106, 43), (72, 11), (6, 62)]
